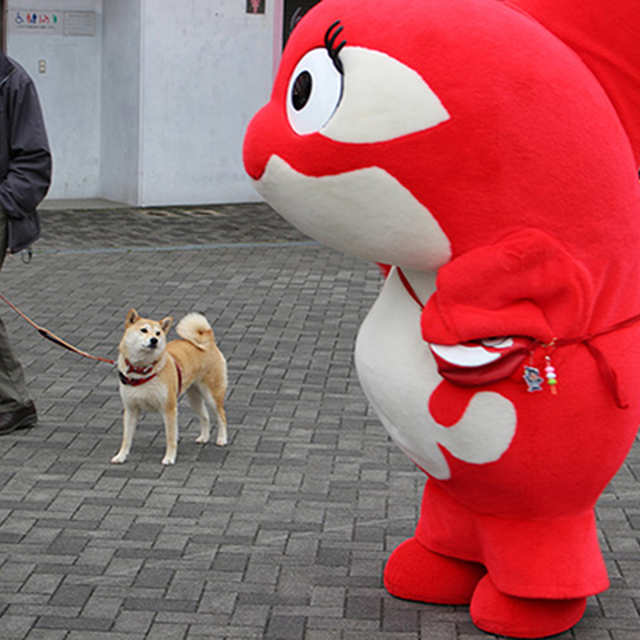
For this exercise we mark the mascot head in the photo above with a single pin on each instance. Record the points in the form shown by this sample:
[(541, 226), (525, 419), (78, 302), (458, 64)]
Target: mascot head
[(411, 132)]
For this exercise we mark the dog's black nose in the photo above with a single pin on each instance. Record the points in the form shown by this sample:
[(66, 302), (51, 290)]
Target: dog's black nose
[(153, 342)]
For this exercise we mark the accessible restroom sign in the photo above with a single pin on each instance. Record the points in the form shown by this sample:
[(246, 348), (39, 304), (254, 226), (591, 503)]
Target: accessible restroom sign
[(67, 23)]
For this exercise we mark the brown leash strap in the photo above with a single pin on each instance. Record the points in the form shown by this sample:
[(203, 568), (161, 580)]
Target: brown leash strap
[(45, 333)]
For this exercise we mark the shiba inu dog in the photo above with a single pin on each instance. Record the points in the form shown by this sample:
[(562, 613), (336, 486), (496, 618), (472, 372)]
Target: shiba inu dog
[(154, 374)]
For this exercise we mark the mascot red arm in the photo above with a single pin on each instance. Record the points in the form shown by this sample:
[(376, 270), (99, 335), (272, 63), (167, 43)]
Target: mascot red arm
[(487, 151)]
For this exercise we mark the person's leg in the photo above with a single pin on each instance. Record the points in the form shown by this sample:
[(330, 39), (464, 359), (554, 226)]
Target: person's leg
[(16, 407)]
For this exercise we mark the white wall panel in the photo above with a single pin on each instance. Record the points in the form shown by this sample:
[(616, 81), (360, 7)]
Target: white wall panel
[(206, 70), (120, 122), (152, 109)]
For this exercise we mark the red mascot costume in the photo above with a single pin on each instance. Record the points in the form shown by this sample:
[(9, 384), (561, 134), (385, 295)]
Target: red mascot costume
[(487, 153)]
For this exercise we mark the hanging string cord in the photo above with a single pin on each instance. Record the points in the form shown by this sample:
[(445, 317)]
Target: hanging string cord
[(607, 372), (45, 333)]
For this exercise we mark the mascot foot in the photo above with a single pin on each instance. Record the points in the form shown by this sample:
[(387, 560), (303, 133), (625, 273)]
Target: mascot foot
[(495, 612), (415, 573)]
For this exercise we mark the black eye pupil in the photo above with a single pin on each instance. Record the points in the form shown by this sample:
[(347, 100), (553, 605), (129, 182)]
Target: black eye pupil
[(301, 91), (143, 330)]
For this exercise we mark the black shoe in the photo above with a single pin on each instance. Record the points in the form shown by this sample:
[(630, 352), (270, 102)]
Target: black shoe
[(21, 418)]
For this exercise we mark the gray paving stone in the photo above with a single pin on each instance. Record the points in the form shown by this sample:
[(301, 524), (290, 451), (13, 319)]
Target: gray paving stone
[(75, 624), (138, 622), (286, 628), (166, 631)]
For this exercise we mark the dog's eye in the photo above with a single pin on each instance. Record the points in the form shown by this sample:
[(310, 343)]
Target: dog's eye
[(143, 330), (157, 333)]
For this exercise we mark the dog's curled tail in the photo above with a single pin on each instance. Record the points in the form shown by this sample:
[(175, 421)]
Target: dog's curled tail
[(195, 328)]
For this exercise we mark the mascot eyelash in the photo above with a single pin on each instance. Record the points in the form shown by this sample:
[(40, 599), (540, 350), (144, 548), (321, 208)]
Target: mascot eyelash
[(329, 43)]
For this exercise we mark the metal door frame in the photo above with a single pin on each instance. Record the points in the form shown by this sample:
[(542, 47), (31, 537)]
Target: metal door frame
[(3, 26)]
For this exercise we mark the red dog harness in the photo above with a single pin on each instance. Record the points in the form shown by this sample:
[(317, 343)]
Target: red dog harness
[(143, 371)]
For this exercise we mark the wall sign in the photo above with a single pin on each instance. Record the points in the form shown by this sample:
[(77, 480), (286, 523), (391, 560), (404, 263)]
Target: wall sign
[(26, 20), (68, 23), (79, 23), (255, 6)]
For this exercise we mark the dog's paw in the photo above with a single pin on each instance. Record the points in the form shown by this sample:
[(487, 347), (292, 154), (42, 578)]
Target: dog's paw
[(202, 439), (221, 441), (119, 458), (168, 460)]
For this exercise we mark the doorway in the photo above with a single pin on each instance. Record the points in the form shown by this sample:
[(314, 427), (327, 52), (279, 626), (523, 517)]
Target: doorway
[(2, 26), (293, 11)]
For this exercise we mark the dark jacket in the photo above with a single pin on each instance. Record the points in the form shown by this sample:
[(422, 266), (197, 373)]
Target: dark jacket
[(25, 159)]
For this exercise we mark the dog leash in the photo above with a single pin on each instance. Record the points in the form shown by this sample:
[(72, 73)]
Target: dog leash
[(45, 333)]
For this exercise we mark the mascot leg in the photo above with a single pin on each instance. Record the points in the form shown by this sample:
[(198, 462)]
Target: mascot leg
[(423, 569), (415, 573), (498, 613)]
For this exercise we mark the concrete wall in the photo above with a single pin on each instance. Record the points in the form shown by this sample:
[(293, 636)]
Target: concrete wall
[(120, 121), (152, 109), (69, 91), (206, 69)]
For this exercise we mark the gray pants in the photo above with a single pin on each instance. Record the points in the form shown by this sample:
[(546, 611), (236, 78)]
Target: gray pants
[(13, 386)]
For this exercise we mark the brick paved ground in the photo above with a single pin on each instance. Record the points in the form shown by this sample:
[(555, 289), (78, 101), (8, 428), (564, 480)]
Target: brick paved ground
[(281, 535)]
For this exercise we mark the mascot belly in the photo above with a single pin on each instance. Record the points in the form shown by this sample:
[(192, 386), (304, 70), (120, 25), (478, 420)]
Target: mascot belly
[(399, 374), (465, 145)]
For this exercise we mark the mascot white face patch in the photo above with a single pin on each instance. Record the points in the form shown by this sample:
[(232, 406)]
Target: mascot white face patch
[(366, 213), (369, 97)]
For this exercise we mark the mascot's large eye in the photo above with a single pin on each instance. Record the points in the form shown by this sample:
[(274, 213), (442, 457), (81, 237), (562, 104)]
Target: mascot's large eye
[(314, 92)]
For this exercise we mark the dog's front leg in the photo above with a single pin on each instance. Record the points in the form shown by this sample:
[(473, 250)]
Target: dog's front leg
[(129, 422), (171, 430)]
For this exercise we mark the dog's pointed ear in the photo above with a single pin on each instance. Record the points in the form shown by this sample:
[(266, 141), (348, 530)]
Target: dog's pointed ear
[(166, 324), (132, 318)]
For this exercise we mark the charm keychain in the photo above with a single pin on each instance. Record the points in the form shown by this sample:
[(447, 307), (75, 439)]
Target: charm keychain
[(550, 373), (532, 375), (549, 369)]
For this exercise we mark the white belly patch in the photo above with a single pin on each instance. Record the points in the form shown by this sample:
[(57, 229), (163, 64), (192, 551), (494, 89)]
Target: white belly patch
[(398, 374)]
